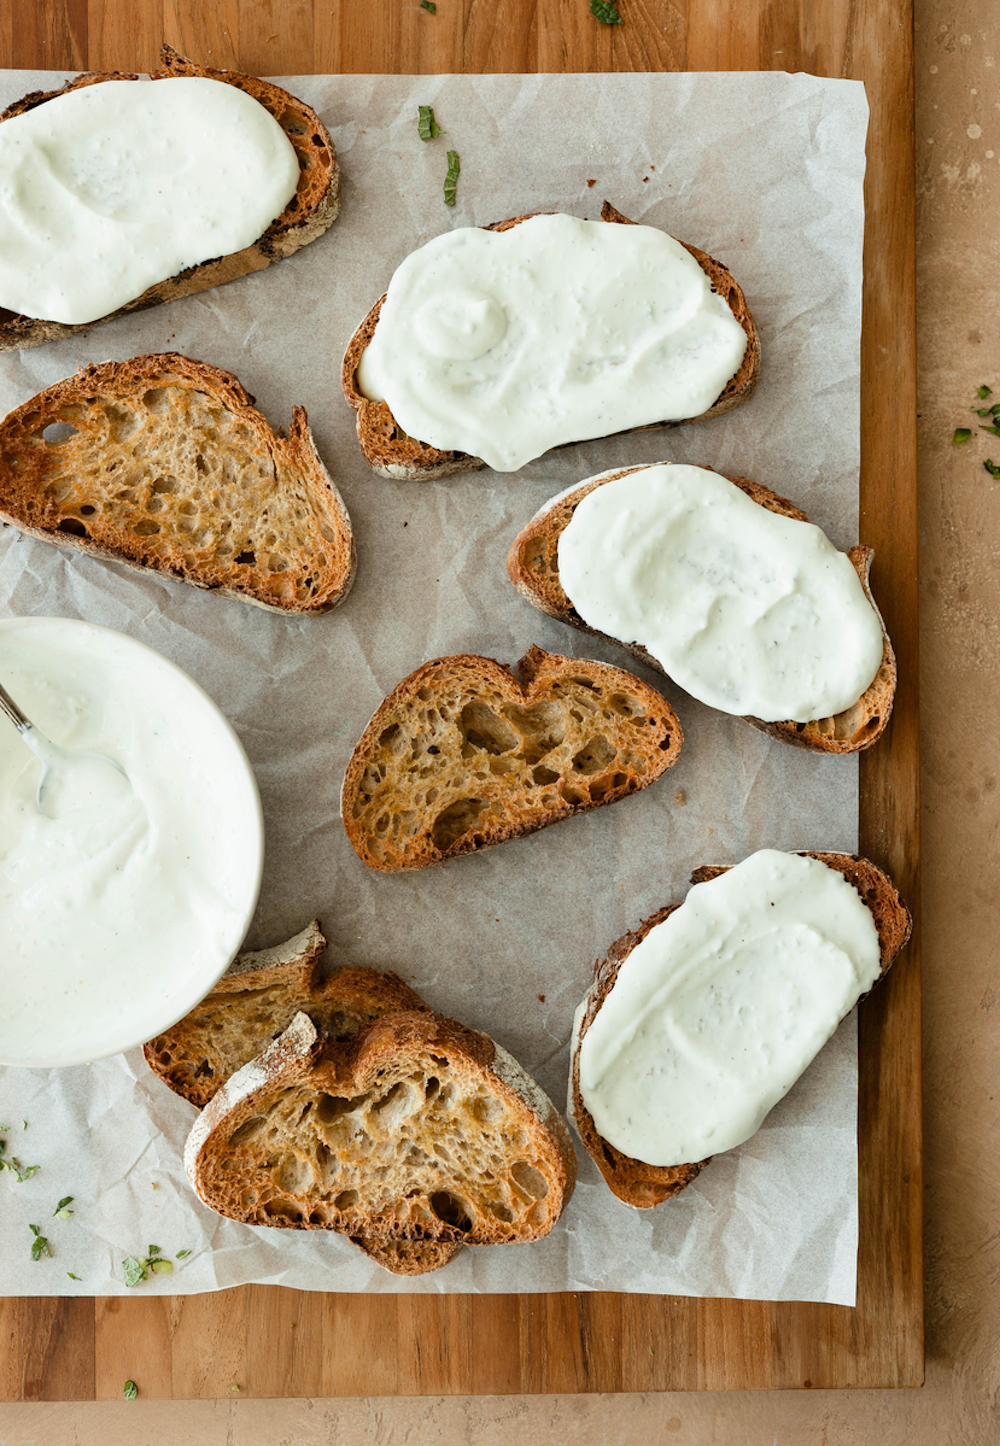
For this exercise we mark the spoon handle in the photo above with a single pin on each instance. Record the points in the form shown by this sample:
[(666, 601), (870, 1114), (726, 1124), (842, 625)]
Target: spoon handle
[(12, 711)]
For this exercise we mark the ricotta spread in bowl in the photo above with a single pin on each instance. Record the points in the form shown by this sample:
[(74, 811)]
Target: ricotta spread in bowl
[(503, 344), (120, 911), (112, 187)]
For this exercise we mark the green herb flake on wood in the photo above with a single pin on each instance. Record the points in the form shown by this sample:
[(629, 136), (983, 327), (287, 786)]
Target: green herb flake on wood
[(131, 1390), (606, 12), (962, 434)]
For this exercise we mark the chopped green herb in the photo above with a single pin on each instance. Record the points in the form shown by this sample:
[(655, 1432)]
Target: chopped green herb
[(131, 1390), (61, 1211), (993, 468), (962, 434), (606, 12), (428, 5), (39, 1246), (181, 1254), (427, 127), (135, 1271), (72, 1276), (983, 392), (161, 1267), (994, 431), (153, 1250), (451, 179)]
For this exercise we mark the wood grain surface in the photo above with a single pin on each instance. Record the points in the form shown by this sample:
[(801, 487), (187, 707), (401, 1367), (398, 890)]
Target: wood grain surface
[(265, 1341)]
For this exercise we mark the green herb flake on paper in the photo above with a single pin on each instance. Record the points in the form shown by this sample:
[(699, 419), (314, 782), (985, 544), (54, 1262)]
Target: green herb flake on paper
[(451, 179), (182, 1253), (161, 1267), (983, 392), (993, 468), (606, 12), (39, 1246), (135, 1271), (427, 127), (72, 1276), (962, 434), (131, 1390), (62, 1211)]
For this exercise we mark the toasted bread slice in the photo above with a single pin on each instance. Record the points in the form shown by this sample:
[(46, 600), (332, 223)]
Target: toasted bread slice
[(462, 755), (428, 1131), (253, 1003), (167, 465), (533, 568), (310, 212), (632, 1180), (391, 453)]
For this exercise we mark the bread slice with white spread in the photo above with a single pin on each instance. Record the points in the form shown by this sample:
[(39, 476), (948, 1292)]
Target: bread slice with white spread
[(739, 1007), (533, 568), (307, 215), (463, 754), (424, 1131), (163, 463), (391, 452), (252, 1004)]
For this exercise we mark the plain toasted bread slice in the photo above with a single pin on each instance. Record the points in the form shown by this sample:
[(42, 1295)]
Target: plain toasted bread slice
[(254, 1003), (167, 465), (428, 1131), (632, 1180), (533, 568), (309, 213), (462, 754), (391, 453)]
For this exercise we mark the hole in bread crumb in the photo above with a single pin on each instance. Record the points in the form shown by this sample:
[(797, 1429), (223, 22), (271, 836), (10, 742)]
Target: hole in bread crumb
[(531, 1181), (484, 729), (146, 528), (155, 400), (87, 510), (595, 755), (247, 1131), (458, 819), (499, 1209), (277, 564), (57, 432), (345, 1200), (247, 557), (164, 484), (451, 1210), (71, 524), (543, 775)]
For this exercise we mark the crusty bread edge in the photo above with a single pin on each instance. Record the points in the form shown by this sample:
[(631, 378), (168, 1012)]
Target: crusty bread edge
[(285, 235), (650, 1185), (230, 393), (523, 674), (814, 736), (420, 462)]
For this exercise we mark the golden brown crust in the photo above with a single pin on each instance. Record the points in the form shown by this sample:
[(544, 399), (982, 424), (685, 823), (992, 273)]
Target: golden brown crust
[(533, 568), (462, 755), (633, 1181), (170, 467), (420, 1131), (392, 453), (309, 213)]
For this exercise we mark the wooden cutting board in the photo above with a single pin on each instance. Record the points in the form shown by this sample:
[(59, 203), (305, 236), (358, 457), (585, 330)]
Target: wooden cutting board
[(266, 1341)]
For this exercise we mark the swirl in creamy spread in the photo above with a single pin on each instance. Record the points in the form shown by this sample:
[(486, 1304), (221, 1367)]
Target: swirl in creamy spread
[(112, 187), (751, 612), (720, 1008), (503, 344), (119, 910)]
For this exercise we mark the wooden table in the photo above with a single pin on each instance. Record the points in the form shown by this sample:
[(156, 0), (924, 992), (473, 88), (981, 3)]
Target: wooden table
[(272, 1342)]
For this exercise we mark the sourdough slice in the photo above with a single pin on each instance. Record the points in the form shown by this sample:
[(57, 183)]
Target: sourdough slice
[(310, 212), (632, 1180), (462, 755), (427, 1132), (391, 453), (533, 568), (254, 1003), (167, 465)]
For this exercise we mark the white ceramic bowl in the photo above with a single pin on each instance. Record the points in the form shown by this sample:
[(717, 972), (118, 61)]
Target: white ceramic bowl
[(120, 915)]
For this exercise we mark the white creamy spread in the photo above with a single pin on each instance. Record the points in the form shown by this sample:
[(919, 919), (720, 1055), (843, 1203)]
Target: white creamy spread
[(124, 903), (506, 343), (751, 612), (110, 188), (719, 1009)]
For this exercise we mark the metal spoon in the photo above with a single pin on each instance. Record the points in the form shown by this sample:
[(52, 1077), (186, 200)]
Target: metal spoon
[(57, 763)]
